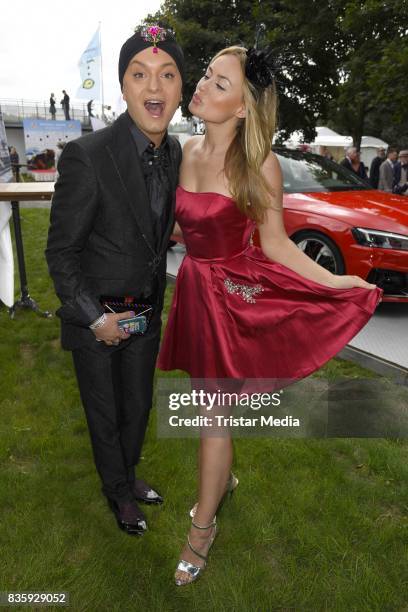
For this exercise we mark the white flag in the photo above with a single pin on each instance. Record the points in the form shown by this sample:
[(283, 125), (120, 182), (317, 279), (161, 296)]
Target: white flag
[(90, 69)]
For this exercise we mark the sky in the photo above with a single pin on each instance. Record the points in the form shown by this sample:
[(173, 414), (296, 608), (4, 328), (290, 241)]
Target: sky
[(41, 43)]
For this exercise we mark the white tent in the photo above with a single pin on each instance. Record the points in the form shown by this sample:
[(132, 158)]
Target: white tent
[(338, 143), (371, 141), (329, 138), (325, 137), (369, 146)]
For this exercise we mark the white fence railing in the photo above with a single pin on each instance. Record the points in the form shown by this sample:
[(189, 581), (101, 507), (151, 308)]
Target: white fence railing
[(17, 110)]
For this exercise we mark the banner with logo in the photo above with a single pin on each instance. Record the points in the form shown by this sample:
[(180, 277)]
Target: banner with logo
[(44, 142)]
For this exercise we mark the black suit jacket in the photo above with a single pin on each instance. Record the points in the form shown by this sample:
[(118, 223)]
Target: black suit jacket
[(100, 239), (375, 171)]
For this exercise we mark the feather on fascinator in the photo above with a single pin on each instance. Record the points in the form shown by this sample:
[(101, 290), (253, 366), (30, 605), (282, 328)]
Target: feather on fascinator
[(260, 67)]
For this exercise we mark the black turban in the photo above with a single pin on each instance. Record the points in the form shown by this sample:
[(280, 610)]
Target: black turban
[(137, 43)]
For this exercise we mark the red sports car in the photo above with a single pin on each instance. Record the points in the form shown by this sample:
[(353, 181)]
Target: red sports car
[(344, 224)]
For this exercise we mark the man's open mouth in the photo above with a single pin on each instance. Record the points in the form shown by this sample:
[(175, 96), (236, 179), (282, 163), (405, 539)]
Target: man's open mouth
[(154, 107)]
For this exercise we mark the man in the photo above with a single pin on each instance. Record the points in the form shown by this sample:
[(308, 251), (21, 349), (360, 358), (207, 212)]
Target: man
[(111, 218), (65, 105), (15, 163), (52, 109), (90, 109), (387, 171), (352, 162), (401, 174), (375, 167)]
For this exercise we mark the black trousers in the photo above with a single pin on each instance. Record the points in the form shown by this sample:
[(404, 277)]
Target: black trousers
[(116, 387)]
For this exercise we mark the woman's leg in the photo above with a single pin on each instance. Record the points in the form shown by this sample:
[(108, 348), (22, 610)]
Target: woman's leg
[(215, 460)]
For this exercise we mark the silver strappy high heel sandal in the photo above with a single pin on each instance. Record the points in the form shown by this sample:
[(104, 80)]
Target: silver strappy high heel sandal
[(231, 486), (194, 571)]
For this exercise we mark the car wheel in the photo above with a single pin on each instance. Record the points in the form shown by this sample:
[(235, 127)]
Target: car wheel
[(321, 249)]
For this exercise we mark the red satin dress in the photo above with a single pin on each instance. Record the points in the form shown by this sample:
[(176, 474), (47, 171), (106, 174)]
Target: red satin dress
[(237, 314)]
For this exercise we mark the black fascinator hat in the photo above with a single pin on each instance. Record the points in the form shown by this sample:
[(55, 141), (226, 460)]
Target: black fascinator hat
[(260, 66)]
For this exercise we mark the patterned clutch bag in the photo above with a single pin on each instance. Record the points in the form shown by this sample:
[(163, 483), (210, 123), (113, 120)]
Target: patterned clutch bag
[(124, 303)]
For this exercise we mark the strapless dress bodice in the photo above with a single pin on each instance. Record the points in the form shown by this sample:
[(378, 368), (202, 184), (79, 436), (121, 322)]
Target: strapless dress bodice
[(213, 227)]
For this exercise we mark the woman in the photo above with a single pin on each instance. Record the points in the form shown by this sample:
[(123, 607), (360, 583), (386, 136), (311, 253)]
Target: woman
[(238, 308), (52, 108)]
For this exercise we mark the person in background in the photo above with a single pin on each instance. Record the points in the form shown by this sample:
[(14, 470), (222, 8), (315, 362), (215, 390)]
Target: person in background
[(401, 174), (89, 107), (65, 105), (52, 109), (375, 167), (15, 160), (14, 157), (353, 162), (324, 152), (387, 171)]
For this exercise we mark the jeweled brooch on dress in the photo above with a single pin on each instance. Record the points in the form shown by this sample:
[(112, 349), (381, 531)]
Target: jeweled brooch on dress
[(245, 291), (153, 34)]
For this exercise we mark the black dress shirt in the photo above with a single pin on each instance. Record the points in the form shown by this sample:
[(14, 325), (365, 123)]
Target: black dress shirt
[(155, 166)]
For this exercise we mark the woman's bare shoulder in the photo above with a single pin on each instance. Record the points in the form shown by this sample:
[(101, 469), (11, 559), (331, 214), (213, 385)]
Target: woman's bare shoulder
[(272, 173), (271, 170), (271, 163)]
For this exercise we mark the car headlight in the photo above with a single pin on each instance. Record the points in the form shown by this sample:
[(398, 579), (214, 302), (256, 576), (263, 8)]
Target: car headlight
[(379, 239)]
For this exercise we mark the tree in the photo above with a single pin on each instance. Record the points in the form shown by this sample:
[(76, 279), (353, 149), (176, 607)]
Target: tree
[(339, 61), (371, 65), (305, 49)]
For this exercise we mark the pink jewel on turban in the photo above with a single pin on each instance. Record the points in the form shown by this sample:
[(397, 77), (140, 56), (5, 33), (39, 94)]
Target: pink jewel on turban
[(153, 34)]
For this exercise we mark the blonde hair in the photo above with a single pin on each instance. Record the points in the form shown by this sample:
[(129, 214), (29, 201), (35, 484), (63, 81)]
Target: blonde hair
[(251, 145)]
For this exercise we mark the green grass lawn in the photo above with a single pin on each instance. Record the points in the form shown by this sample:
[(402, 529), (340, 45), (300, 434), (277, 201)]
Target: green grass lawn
[(318, 524)]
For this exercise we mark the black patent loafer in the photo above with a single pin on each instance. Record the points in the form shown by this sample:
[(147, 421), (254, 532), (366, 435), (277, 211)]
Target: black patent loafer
[(143, 492), (129, 517)]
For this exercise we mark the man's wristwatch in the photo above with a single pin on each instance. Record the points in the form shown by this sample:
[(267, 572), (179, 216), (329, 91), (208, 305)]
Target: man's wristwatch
[(98, 322)]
